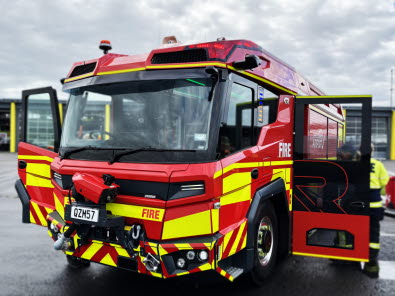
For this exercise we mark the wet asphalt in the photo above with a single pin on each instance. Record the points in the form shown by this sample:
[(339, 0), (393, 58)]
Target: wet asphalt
[(30, 266)]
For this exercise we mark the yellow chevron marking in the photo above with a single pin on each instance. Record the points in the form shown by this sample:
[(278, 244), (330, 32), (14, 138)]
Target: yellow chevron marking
[(226, 240), (32, 220), (217, 174), (91, 251), (237, 240), (290, 200), (58, 206), (35, 157), (331, 257), (122, 252), (50, 233), (130, 211), (162, 251), (108, 260), (191, 225), (39, 214)]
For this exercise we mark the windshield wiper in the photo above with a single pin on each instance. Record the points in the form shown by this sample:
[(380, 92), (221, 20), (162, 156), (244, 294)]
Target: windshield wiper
[(79, 149), (118, 155)]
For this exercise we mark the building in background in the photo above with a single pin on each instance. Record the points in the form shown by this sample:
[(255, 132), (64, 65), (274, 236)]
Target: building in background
[(383, 126)]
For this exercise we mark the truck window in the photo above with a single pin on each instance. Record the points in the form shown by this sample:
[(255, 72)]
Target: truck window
[(236, 132), (265, 110), (39, 125)]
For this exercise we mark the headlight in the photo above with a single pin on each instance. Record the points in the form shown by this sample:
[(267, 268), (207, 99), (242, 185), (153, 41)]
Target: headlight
[(185, 189)]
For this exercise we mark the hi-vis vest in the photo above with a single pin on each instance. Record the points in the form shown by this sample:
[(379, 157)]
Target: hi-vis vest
[(378, 174)]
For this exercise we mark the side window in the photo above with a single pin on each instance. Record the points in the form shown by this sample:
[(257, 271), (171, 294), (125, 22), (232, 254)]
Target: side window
[(236, 132), (39, 123), (265, 110)]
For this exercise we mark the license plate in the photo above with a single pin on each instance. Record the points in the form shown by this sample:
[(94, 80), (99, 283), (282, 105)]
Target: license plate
[(87, 214)]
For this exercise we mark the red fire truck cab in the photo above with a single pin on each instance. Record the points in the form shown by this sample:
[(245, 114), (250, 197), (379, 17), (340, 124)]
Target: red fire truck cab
[(211, 156)]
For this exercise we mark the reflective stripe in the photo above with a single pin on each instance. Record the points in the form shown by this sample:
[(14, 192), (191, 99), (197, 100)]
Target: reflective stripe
[(376, 204), (374, 246)]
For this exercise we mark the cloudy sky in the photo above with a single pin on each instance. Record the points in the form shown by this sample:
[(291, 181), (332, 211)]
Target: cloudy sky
[(342, 46)]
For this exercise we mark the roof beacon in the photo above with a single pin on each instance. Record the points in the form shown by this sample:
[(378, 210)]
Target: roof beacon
[(105, 45)]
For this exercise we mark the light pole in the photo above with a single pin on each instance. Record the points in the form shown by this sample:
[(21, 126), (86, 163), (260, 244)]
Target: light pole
[(392, 81)]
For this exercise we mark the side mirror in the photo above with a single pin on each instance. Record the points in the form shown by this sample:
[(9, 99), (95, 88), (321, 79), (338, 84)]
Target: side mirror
[(251, 61)]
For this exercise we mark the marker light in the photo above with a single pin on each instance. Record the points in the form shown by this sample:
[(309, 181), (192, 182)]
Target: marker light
[(191, 255), (181, 262), (203, 255), (105, 45)]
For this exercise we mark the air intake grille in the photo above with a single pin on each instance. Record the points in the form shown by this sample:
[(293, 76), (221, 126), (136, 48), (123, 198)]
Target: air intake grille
[(83, 69), (185, 56)]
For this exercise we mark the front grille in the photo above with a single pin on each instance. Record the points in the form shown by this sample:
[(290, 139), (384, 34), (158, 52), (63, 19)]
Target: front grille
[(185, 56), (83, 69)]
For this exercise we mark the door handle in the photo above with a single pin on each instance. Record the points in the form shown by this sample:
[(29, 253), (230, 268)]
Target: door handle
[(254, 174), (358, 205), (22, 164)]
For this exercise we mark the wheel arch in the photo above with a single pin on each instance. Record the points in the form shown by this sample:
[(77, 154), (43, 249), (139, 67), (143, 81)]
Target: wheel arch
[(274, 191)]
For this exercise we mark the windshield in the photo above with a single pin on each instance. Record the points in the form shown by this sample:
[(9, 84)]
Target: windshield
[(172, 114)]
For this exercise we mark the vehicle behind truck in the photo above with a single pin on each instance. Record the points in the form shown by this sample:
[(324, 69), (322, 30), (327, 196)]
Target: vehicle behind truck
[(211, 156)]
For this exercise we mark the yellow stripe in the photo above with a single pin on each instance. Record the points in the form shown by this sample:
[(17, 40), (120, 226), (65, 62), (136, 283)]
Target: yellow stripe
[(191, 225), (263, 79), (237, 196), (107, 121), (189, 65), (215, 219), (60, 106), (91, 251), (217, 174), (330, 257), (39, 214), (121, 71), (236, 181), (374, 246), (78, 77), (39, 169), (241, 165), (376, 204), (36, 157), (273, 163), (12, 127), (32, 180), (335, 97)]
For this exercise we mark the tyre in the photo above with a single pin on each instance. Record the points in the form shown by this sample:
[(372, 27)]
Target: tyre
[(77, 263), (265, 243)]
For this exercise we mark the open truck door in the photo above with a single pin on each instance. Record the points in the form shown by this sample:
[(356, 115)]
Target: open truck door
[(38, 146), (331, 179)]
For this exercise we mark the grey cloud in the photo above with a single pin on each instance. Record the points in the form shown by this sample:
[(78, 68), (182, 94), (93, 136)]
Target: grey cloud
[(342, 46)]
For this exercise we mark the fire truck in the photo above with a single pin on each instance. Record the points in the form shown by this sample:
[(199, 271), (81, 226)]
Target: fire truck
[(211, 156)]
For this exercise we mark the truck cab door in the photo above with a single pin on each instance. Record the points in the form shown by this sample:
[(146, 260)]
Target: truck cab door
[(38, 146), (330, 197)]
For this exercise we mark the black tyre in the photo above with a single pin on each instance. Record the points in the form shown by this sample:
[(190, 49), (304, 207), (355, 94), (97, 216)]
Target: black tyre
[(77, 263), (265, 243)]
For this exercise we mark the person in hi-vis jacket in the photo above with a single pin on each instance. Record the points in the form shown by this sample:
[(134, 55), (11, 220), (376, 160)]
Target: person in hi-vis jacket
[(378, 180)]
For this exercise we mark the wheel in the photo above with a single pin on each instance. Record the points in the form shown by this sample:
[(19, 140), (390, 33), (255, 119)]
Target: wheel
[(265, 243), (77, 263)]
